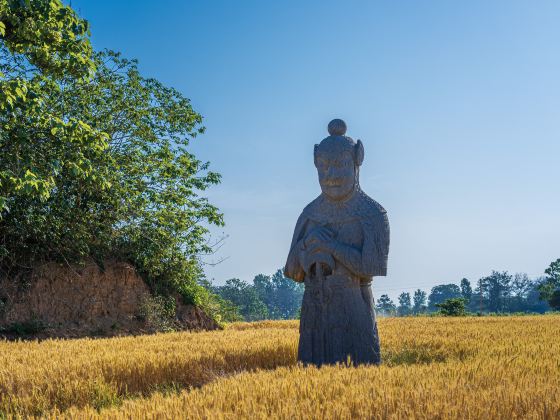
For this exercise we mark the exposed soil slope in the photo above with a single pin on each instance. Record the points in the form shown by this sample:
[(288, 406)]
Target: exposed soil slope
[(80, 301)]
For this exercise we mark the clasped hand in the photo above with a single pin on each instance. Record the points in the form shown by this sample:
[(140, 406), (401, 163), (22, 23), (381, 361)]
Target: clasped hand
[(320, 238)]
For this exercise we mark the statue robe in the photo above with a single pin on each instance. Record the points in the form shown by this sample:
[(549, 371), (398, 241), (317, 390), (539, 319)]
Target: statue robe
[(337, 315)]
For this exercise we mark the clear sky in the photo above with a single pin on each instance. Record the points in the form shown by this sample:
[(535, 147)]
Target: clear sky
[(457, 104)]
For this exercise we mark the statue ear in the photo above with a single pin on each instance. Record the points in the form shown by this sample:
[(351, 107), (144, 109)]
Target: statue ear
[(359, 153), (315, 149)]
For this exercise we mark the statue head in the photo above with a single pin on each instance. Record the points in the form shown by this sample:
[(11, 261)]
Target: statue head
[(338, 159)]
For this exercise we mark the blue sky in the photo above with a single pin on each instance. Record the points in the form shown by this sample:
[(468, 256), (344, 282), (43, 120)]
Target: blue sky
[(457, 103)]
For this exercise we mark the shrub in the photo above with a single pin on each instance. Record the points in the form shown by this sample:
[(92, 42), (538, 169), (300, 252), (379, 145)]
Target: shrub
[(26, 328), (158, 312), (452, 307), (3, 305)]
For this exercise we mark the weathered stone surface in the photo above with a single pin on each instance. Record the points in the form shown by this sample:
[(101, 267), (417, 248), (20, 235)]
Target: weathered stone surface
[(341, 241)]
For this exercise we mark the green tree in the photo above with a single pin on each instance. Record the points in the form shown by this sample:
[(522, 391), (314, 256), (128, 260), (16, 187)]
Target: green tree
[(41, 43), (419, 299), (554, 300), (95, 159), (227, 310), (550, 288), (289, 295), (281, 295), (520, 288), (245, 297), (405, 304), (466, 290), (452, 307), (159, 215), (533, 302), (495, 290), (386, 306), (441, 293), (265, 290)]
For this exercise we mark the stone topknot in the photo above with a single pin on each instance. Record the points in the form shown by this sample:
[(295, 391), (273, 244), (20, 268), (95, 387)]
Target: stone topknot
[(337, 127)]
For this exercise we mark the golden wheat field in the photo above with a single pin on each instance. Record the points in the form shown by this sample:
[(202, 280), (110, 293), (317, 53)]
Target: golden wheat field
[(489, 367)]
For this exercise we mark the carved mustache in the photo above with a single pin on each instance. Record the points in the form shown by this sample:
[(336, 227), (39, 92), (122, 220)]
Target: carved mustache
[(333, 183)]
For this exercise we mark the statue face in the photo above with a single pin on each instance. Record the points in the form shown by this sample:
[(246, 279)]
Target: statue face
[(337, 174)]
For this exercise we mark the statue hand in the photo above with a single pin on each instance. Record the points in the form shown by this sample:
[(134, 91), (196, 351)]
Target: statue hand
[(318, 235), (327, 246)]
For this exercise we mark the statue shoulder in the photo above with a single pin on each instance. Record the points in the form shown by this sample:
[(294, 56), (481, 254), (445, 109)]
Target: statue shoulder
[(312, 208), (370, 209), (309, 212), (302, 221)]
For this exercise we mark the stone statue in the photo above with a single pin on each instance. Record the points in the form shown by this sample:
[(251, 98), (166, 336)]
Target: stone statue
[(341, 241)]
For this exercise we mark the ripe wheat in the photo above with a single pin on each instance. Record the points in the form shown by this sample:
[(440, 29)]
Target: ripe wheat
[(491, 367)]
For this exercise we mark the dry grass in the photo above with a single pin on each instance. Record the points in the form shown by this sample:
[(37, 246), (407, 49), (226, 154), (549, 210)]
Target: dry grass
[(503, 367)]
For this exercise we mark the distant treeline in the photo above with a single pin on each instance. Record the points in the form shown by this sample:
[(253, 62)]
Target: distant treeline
[(277, 297), (267, 297)]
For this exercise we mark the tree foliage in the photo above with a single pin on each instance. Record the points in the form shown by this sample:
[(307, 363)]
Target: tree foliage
[(452, 307), (419, 299), (48, 35), (495, 289), (441, 293), (269, 297), (550, 287), (245, 298), (405, 304), (282, 300), (42, 42), (466, 290), (500, 292), (386, 306), (94, 156), (281, 295)]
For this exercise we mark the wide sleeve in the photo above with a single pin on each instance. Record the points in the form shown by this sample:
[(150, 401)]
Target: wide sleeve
[(375, 251), (293, 268)]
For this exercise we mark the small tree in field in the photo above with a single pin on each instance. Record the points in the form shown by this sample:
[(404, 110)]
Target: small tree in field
[(441, 293), (452, 307)]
